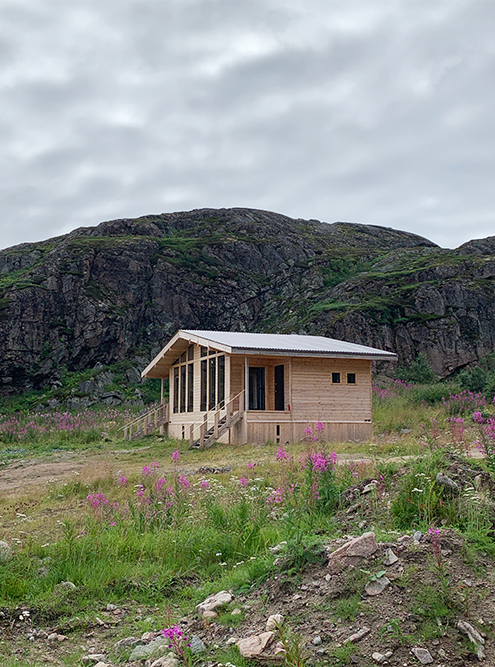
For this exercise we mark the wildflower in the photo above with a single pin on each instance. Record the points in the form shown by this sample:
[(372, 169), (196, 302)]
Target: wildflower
[(175, 456), (319, 427), (251, 465), (155, 465), (277, 497), (184, 482), (204, 484), (281, 454), (123, 480), (146, 470), (243, 481)]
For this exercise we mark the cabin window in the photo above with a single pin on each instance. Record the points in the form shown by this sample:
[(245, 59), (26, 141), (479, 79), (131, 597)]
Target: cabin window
[(190, 353), (212, 351), (212, 384), (175, 362), (351, 378), (279, 388), (176, 389), (335, 378), (204, 385), (221, 379), (182, 388), (190, 387), (256, 388), (204, 352), (183, 358)]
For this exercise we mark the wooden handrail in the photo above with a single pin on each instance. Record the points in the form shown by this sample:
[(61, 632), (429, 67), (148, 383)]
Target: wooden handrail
[(215, 411), (161, 406)]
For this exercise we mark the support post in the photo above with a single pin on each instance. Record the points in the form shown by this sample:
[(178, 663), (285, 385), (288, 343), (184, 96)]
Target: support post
[(191, 435), (215, 427), (161, 392)]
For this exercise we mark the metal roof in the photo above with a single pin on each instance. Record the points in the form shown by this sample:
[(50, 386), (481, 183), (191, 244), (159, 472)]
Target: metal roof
[(237, 342)]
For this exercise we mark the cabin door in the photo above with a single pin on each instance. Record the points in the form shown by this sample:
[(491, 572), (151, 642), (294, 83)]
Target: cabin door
[(256, 388), (279, 388)]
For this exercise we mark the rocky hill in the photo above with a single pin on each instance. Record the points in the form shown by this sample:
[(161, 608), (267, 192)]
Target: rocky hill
[(118, 291)]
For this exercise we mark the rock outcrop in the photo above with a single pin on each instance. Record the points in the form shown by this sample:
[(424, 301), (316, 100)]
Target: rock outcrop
[(121, 289)]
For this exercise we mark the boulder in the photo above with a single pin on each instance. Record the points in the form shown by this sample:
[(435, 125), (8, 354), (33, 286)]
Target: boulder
[(352, 552), (211, 603), (262, 647)]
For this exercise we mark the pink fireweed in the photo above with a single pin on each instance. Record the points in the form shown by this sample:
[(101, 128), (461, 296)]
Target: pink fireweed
[(176, 639), (123, 480), (277, 497), (243, 481), (97, 500), (184, 483), (146, 471), (281, 454), (155, 465), (251, 465), (204, 484), (176, 456)]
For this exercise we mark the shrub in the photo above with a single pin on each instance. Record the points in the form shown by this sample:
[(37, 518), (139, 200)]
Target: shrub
[(419, 371)]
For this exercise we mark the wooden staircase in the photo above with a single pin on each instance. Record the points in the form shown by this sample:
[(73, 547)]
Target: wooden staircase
[(221, 423), (145, 424)]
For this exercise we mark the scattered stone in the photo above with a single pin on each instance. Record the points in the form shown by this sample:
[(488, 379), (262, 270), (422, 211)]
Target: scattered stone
[(103, 664), (214, 601), (5, 552), (442, 653), (352, 552), (66, 586), (127, 642), (236, 611), (278, 548), (146, 636), (357, 636), (390, 557), (149, 650), (417, 536), (273, 621), (55, 637), (368, 488), (169, 660), (111, 607), (210, 614), (377, 586), (379, 658), (317, 640), (93, 658), (196, 644), (262, 647), (423, 655), (447, 483), (473, 636), (231, 640)]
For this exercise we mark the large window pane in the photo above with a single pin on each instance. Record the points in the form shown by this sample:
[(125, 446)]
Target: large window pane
[(182, 388), (256, 388), (212, 384), (221, 379), (176, 389), (190, 388), (204, 385)]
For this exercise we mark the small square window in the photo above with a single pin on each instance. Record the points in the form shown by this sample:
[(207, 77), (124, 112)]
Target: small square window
[(204, 351), (190, 353), (335, 378), (351, 378)]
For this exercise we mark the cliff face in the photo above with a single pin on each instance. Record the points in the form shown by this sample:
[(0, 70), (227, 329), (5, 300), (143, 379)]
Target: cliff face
[(121, 289)]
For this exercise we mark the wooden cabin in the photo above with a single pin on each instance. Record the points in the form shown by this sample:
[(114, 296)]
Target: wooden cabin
[(237, 387)]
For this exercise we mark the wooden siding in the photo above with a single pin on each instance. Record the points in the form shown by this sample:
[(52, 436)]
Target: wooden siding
[(315, 398)]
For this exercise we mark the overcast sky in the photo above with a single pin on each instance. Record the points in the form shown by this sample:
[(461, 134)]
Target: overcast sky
[(363, 111)]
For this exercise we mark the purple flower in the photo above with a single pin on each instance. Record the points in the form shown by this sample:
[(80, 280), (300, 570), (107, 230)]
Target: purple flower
[(146, 470), (155, 464), (184, 482), (281, 454), (204, 484), (123, 480), (251, 464), (175, 456), (243, 481)]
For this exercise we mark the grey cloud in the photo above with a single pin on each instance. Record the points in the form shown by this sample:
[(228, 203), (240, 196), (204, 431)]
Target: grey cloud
[(374, 112)]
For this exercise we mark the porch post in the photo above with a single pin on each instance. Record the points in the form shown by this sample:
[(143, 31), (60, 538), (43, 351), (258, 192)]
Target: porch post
[(246, 399), (161, 392)]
